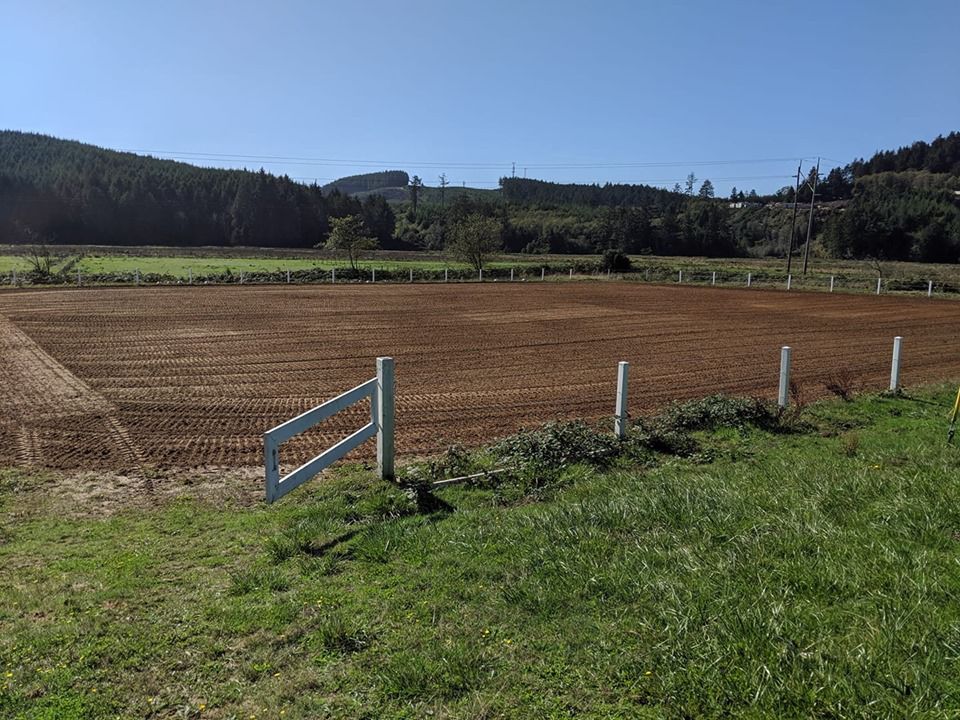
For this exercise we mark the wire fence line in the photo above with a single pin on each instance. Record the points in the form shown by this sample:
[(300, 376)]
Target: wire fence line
[(723, 278)]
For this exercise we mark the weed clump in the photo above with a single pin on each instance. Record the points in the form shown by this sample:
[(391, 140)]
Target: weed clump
[(557, 445), (670, 432)]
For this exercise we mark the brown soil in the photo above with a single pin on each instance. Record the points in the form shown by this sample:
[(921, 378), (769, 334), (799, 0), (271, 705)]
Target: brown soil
[(120, 379)]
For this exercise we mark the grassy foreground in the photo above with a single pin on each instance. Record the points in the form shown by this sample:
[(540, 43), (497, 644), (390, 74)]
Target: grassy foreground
[(807, 573)]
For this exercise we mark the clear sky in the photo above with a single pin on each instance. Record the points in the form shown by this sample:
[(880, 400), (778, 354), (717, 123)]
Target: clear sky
[(467, 88)]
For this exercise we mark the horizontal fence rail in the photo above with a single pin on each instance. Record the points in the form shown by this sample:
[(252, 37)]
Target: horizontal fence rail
[(380, 391)]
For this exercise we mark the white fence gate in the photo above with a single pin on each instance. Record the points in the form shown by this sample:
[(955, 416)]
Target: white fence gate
[(380, 391)]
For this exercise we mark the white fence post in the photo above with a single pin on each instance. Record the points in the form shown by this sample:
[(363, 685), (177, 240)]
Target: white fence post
[(749, 279), (620, 421), (879, 280), (333, 275), (481, 274), (895, 365), (511, 274), (446, 274), (785, 353), (929, 288), (190, 276), (831, 283), (288, 277), (680, 277), (713, 279), (571, 273), (411, 274), (385, 417), (543, 273), (789, 281)]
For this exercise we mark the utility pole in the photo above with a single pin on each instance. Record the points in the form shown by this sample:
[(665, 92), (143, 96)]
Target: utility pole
[(443, 185), (793, 223), (813, 196), (513, 172)]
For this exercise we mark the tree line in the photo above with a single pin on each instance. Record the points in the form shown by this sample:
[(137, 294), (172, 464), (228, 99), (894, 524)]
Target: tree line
[(901, 204), (59, 191)]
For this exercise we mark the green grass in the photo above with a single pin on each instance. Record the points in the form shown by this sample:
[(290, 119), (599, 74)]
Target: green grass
[(857, 276), (200, 266), (774, 574)]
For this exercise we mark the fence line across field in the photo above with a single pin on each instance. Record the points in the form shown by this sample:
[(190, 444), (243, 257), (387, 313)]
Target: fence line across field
[(380, 391), (751, 279)]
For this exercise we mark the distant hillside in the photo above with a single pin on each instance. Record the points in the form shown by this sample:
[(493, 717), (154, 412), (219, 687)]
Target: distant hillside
[(61, 191), (369, 182), (942, 155), (394, 186), (902, 204), (540, 191)]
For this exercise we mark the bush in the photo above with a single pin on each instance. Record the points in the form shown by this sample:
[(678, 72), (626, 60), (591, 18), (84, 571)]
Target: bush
[(616, 261), (557, 445), (719, 411)]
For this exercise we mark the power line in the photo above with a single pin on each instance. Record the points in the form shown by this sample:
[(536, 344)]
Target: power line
[(302, 160)]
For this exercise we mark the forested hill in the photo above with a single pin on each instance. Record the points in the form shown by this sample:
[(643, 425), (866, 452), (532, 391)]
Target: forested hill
[(369, 182), (54, 190), (523, 190), (940, 156), (902, 204)]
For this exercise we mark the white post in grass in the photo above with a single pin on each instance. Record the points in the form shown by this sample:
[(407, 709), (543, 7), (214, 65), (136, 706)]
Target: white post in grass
[(608, 273), (481, 274), (785, 353), (241, 277), (78, 277), (620, 420), (713, 279), (14, 281), (749, 279), (411, 274), (543, 273), (511, 274), (831, 283), (571, 273), (929, 288), (189, 276), (446, 275), (895, 365), (879, 280), (288, 277), (680, 277), (385, 417), (373, 275), (789, 281), (333, 275)]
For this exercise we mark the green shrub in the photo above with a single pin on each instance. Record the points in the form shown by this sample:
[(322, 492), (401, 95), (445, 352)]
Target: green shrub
[(557, 445), (719, 411), (616, 261)]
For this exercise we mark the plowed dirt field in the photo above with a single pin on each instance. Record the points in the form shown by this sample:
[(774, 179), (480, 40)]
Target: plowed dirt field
[(188, 377)]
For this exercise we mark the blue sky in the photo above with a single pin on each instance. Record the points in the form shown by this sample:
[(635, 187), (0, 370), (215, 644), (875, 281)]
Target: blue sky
[(467, 88)]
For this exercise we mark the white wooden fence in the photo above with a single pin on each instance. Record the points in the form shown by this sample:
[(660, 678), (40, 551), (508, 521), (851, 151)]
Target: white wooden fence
[(622, 415), (379, 389)]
